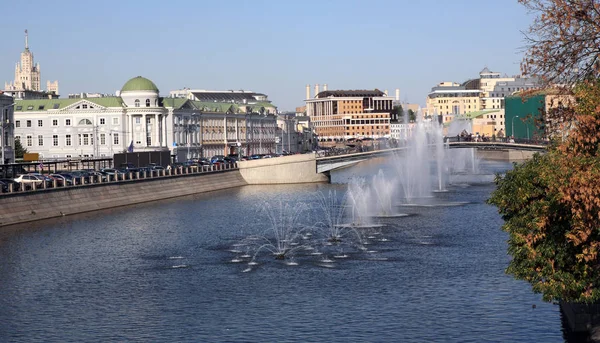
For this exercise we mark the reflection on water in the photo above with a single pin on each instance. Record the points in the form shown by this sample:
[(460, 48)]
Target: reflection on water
[(177, 271)]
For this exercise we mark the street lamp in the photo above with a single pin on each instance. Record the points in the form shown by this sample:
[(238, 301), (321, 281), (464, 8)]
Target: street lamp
[(513, 126), (2, 123)]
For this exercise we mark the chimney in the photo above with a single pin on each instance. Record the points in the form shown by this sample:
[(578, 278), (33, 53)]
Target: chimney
[(307, 92), (316, 89), (324, 87), (397, 94)]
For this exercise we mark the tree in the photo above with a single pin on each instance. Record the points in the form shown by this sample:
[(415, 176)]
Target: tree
[(19, 150), (551, 204), (562, 42), (397, 112), (411, 116)]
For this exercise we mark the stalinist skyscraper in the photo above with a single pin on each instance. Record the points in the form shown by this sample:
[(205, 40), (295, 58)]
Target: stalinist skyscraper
[(27, 74)]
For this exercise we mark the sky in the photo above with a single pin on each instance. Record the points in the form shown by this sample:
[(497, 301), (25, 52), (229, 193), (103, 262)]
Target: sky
[(275, 47)]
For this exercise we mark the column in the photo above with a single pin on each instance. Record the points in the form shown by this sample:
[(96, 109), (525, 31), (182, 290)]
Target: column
[(163, 121), (156, 139), (144, 131), (131, 131)]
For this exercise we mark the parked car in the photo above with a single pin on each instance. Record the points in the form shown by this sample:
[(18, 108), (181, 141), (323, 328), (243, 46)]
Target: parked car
[(112, 174), (27, 181), (61, 180), (16, 186)]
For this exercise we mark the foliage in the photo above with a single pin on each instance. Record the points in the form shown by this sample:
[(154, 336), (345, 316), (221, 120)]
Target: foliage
[(551, 208), (551, 204), (19, 150), (562, 42), (412, 116)]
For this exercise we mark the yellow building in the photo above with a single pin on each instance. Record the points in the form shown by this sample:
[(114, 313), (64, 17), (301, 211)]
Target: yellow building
[(450, 99), (339, 115)]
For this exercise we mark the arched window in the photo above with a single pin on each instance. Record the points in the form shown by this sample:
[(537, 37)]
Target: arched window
[(147, 102), (137, 102), (85, 122)]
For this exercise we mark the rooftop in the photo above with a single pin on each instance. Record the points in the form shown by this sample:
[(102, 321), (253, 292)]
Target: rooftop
[(350, 93), (139, 83)]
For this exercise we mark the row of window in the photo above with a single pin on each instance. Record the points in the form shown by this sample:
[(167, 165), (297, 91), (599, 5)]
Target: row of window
[(40, 122), (137, 102), (83, 139)]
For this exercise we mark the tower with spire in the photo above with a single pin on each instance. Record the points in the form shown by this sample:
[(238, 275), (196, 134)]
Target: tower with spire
[(27, 74)]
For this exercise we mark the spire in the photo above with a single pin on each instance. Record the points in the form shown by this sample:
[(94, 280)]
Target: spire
[(26, 40)]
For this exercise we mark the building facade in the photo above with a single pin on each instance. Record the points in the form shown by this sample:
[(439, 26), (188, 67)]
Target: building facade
[(450, 99), (339, 115), (27, 82), (138, 119), (7, 141)]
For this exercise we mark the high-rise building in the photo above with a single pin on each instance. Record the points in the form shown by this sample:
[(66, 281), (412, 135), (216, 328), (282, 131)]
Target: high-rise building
[(27, 82)]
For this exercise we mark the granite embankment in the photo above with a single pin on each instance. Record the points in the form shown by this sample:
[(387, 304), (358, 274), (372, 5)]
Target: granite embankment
[(50, 203)]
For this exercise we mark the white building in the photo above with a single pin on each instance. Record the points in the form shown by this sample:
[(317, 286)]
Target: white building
[(7, 142), (139, 118)]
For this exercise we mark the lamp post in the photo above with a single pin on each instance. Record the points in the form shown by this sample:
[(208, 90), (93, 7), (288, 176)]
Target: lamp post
[(2, 120), (513, 126)]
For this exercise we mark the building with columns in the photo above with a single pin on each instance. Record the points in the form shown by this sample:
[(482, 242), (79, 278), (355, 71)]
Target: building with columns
[(7, 141), (27, 82), (139, 118), (338, 115)]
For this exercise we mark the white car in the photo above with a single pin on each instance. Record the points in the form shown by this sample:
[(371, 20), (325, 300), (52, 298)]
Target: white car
[(28, 180)]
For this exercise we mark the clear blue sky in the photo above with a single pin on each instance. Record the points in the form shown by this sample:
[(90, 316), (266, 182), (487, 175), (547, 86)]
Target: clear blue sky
[(270, 46)]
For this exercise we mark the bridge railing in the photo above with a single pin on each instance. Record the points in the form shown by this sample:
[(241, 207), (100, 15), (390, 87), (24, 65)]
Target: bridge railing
[(531, 141)]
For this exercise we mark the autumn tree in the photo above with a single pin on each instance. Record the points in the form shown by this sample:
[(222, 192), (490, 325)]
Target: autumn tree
[(551, 204), (563, 42)]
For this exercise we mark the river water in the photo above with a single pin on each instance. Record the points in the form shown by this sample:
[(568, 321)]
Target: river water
[(169, 272)]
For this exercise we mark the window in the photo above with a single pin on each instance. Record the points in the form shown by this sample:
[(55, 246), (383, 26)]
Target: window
[(54, 122), (19, 108), (18, 123), (55, 140), (137, 120), (103, 139), (137, 102), (115, 138), (85, 122), (68, 156), (56, 106), (147, 120), (68, 140), (40, 123), (29, 141), (116, 121), (67, 122), (86, 139), (84, 106), (41, 107), (40, 140), (147, 102), (30, 107), (102, 121)]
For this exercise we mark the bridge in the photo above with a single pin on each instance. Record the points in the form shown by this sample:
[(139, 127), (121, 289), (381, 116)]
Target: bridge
[(330, 162)]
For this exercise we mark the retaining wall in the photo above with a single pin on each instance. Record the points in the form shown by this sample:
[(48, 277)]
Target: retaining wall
[(505, 155), (301, 168), (49, 203)]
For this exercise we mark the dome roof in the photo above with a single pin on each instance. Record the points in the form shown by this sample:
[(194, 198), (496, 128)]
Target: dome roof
[(139, 83)]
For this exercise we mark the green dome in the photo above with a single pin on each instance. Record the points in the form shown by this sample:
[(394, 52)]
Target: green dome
[(139, 84)]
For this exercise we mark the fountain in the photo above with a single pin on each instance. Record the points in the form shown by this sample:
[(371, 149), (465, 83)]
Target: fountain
[(414, 165)]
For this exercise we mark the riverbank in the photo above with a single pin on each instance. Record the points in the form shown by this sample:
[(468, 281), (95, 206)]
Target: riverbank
[(58, 202)]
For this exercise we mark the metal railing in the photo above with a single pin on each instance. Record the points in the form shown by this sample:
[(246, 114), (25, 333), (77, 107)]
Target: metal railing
[(118, 178)]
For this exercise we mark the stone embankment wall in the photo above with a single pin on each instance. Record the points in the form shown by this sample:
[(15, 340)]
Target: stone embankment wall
[(50, 203), (505, 155), (300, 168)]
